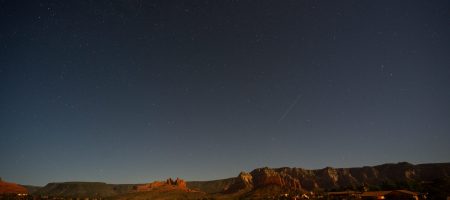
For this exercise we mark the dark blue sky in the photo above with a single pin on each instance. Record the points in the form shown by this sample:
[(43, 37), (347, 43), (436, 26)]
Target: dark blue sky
[(132, 91)]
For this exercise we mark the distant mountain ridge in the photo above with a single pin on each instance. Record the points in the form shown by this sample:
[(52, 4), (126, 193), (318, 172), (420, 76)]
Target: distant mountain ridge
[(84, 189), (327, 178), (264, 181)]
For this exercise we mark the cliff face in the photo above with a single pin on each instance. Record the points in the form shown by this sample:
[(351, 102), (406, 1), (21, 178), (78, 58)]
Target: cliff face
[(336, 178), (266, 176), (244, 182)]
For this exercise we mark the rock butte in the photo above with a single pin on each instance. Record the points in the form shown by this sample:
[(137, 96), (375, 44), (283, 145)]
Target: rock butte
[(169, 184)]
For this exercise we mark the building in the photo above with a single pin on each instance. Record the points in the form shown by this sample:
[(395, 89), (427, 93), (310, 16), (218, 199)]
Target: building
[(390, 195), (343, 195)]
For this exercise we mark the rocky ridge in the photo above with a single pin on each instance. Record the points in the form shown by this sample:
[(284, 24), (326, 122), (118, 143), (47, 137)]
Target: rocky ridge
[(338, 178), (267, 181)]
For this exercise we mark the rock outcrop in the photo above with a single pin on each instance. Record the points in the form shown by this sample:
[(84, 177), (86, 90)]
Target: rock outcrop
[(180, 183), (266, 176), (338, 178), (169, 184), (243, 182)]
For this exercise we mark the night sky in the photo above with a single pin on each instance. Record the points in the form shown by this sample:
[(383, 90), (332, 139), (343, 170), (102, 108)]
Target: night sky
[(132, 91)]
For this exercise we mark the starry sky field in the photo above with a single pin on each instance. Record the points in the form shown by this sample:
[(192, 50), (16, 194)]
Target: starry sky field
[(131, 91)]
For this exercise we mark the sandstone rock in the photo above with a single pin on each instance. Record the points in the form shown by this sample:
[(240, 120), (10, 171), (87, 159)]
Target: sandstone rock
[(337, 178), (178, 182), (243, 182), (282, 177), (169, 184)]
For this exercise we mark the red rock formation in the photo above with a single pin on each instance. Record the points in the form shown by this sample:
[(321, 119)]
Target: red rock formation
[(243, 182), (178, 182), (263, 177), (11, 188), (266, 176), (327, 178), (169, 184)]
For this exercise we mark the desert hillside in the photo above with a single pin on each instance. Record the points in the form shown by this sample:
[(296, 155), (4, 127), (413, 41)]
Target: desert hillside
[(11, 188)]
